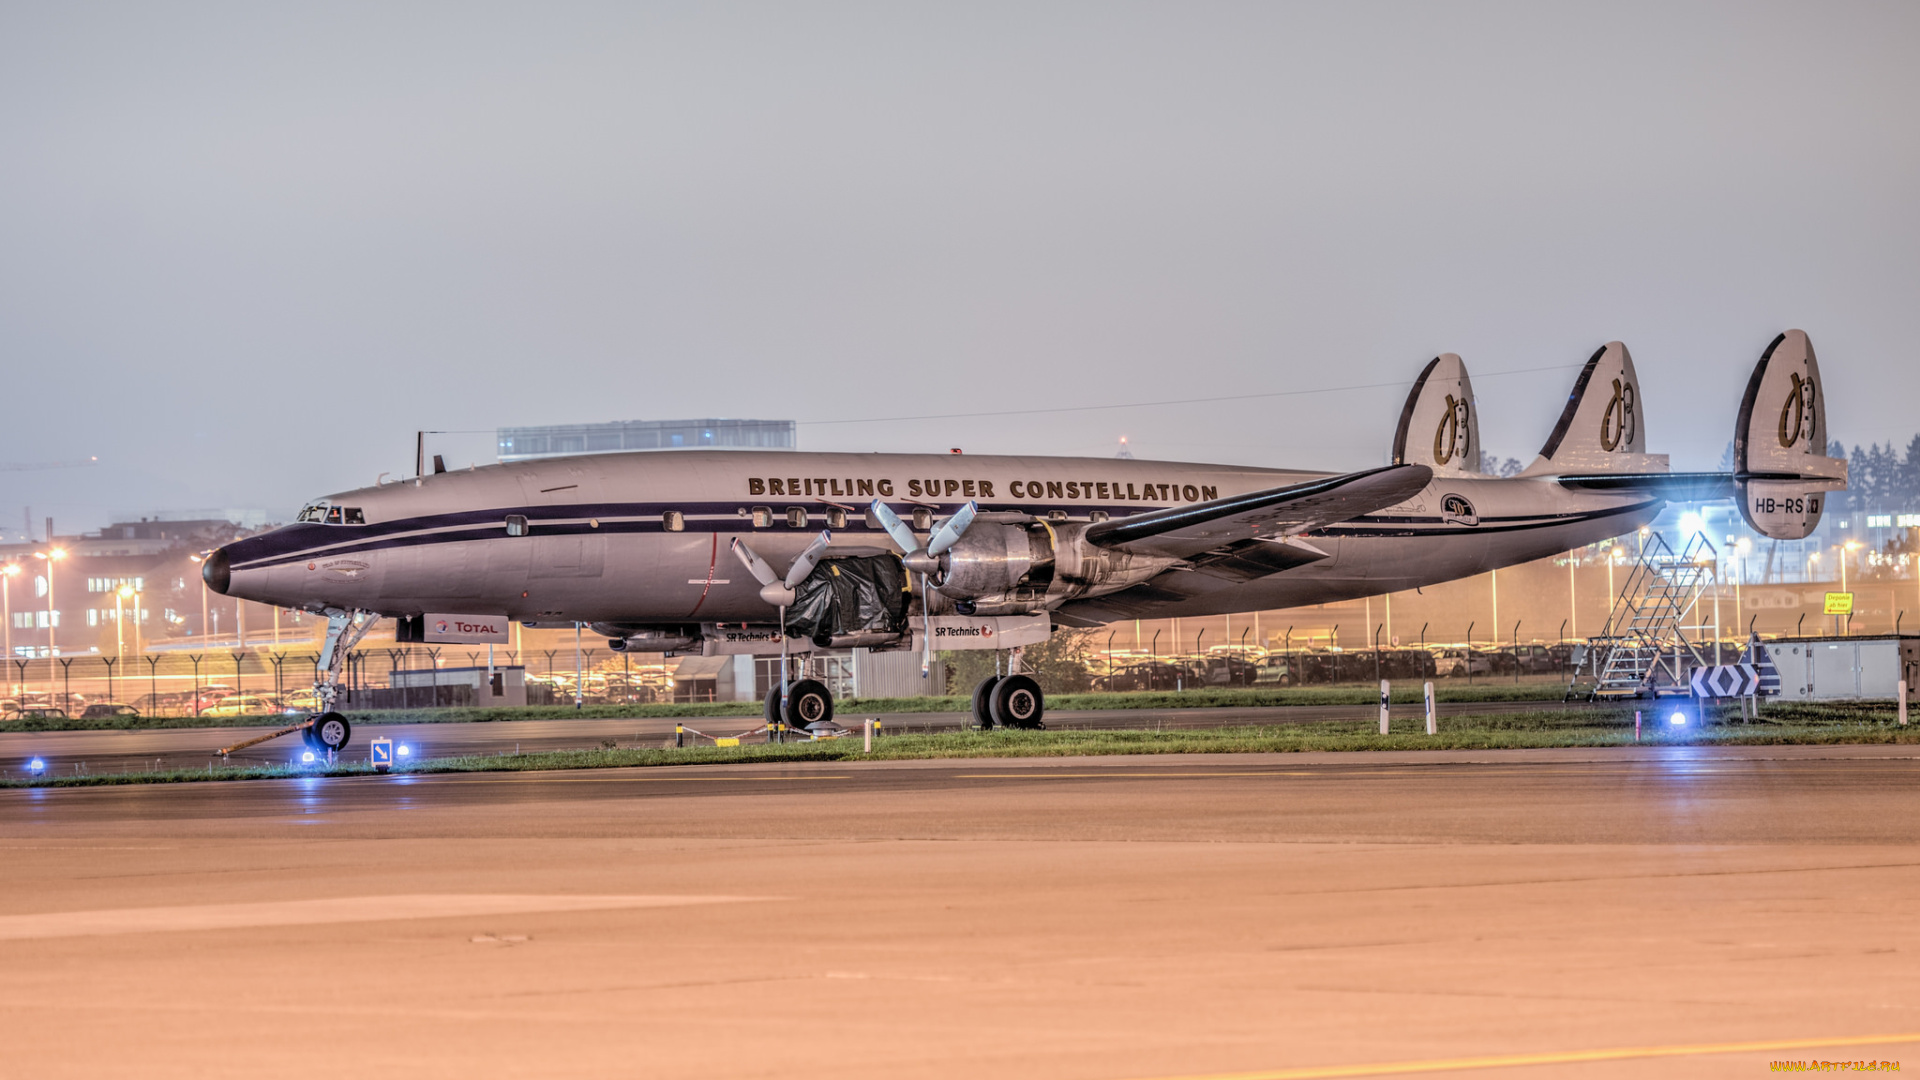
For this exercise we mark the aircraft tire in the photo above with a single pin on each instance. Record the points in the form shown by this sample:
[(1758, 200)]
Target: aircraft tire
[(306, 736), (331, 732), (982, 708), (1016, 702), (808, 703), (773, 705)]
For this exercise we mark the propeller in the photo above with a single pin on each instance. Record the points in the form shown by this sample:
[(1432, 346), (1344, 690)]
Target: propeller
[(774, 589), (924, 560), (779, 591)]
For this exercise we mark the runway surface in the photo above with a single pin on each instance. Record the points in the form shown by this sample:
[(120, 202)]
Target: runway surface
[(1673, 911), (141, 750)]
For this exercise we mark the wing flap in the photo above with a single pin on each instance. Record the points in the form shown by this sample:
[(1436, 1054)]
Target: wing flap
[(1184, 531)]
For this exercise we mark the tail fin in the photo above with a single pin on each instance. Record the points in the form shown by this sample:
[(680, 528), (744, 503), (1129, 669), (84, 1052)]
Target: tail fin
[(1603, 427), (1441, 403), (1780, 462)]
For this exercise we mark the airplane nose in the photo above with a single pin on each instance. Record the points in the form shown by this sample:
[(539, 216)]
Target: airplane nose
[(217, 571)]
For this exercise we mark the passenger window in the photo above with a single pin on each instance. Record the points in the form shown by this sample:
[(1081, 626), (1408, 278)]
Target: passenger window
[(922, 519), (355, 517), (836, 518), (796, 517), (673, 521), (1097, 515), (762, 517), (516, 524), (1056, 516), (333, 516)]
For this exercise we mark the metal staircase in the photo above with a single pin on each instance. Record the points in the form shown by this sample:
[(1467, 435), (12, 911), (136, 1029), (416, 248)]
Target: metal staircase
[(1645, 648)]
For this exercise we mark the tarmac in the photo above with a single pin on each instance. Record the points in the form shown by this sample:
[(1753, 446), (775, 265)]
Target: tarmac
[(1567, 913)]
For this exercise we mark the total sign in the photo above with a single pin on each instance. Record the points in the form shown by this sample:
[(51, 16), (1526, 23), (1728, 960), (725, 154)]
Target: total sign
[(465, 629)]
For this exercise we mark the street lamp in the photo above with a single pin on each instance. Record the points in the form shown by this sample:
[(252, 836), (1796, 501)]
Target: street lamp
[(50, 557), (7, 574)]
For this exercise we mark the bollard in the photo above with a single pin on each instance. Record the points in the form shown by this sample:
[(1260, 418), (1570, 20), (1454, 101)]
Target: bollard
[(1903, 703), (868, 748), (1385, 690), (679, 736), (1636, 725), (1433, 716)]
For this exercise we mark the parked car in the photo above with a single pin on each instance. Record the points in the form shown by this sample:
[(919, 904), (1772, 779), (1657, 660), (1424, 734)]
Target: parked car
[(1222, 671), (1152, 675), (244, 705), (108, 710), (1458, 662), (38, 712)]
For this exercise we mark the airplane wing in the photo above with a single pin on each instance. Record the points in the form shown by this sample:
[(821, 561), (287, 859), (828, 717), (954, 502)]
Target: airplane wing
[(1223, 524)]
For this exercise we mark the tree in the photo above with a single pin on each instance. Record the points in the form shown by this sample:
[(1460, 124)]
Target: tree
[(1058, 664)]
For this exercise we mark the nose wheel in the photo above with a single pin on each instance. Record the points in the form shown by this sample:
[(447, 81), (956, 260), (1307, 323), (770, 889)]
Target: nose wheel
[(328, 732)]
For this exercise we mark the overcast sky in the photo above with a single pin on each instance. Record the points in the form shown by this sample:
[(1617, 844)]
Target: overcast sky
[(246, 251)]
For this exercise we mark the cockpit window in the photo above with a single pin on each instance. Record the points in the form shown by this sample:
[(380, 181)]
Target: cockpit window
[(333, 515)]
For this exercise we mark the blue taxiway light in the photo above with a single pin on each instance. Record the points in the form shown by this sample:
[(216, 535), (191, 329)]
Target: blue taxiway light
[(307, 756), (403, 751), (36, 765), (1677, 718)]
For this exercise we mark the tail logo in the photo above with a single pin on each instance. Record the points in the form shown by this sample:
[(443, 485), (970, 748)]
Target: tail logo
[(1451, 437), (1796, 414), (1617, 424)]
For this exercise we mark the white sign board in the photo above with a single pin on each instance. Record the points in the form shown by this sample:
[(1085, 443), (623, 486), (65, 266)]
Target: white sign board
[(465, 629), (986, 631)]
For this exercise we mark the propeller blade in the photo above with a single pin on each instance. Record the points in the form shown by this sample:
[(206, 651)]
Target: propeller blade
[(948, 534), (890, 521), (803, 565), (755, 565)]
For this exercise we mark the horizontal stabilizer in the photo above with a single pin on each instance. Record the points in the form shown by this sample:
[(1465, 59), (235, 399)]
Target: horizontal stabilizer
[(1780, 442), (1440, 423), (1182, 531), (1674, 487)]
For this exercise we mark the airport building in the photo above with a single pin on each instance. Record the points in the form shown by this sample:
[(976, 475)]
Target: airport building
[(559, 440)]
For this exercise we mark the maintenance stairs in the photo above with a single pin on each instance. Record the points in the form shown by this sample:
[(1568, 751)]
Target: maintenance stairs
[(1645, 648)]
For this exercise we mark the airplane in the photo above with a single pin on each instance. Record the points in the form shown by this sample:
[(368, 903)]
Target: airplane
[(995, 552)]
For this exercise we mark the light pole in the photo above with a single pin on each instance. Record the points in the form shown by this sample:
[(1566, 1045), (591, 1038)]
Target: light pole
[(51, 557), (119, 622), (7, 574), (1740, 548), (1846, 554), (1573, 597), (139, 647)]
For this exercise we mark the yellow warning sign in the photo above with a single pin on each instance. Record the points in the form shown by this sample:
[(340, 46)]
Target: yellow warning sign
[(735, 741), (1839, 603)]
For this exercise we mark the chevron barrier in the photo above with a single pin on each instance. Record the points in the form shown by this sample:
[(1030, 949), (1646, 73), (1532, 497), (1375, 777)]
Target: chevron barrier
[(1726, 681)]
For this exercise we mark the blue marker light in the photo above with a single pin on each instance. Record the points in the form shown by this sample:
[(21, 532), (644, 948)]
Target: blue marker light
[(307, 757), (1678, 719), (36, 766), (403, 751)]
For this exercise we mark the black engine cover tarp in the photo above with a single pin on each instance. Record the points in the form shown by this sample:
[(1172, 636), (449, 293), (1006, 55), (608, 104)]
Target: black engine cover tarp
[(862, 594)]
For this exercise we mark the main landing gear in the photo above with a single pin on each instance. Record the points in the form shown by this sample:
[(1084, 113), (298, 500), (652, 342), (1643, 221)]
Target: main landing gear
[(808, 702), (1009, 701)]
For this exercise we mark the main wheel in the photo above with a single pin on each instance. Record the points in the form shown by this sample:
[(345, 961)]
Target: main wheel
[(331, 731), (982, 711), (773, 705), (1016, 702), (808, 703)]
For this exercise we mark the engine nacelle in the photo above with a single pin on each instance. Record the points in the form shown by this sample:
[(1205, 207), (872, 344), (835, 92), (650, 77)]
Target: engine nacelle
[(648, 639), (994, 560), (1017, 567)]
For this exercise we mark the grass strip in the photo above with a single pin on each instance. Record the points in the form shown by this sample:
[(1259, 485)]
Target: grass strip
[(1545, 728), (1404, 693)]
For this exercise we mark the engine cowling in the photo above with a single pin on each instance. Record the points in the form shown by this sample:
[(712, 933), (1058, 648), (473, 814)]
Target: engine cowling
[(1004, 568)]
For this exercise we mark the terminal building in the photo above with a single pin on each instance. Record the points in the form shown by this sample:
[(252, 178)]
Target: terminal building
[(559, 440)]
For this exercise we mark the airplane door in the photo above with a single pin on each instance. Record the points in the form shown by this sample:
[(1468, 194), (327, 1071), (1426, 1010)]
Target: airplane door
[(557, 550)]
